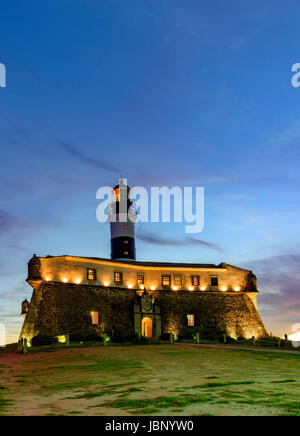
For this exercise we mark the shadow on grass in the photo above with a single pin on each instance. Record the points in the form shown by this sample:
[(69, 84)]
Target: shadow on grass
[(121, 388), (107, 365), (152, 405), (220, 385), (4, 403)]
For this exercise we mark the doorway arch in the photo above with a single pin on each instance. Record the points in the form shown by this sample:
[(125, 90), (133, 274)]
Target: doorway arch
[(147, 327)]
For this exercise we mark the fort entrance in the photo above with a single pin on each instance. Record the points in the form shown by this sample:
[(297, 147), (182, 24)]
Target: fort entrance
[(147, 327)]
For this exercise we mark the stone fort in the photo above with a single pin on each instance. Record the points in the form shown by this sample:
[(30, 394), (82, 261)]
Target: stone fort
[(122, 296)]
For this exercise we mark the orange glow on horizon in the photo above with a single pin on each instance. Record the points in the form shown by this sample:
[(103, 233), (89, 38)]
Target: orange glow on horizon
[(65, 280)]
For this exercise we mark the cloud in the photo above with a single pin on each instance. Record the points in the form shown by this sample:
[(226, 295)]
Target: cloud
[(194, 241), (240, 40), (96, 163), (142, 178), (285, 136), (279, 283), (171, 179), (188, 241), (9, 223)]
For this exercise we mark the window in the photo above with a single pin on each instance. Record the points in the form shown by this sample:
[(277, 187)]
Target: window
[(125, 241), (166, 280), (126, 252), (190, 320), (91, 274), (214, 281), (95, 317), (125, 226), (178, 280), (140, 279), (118, 277), (195, 280)]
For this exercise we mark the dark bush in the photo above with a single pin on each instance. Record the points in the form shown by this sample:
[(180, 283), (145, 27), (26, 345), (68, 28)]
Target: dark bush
[(132, 338), (189, 333), (118, 337), (76, 337), (40, 340), (88, 336), (230, 340), (136, 339), (274, 342), (165, 337), (241, 340), (92, 337)]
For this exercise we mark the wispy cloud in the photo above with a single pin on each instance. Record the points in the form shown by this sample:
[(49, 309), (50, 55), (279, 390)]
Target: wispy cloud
[(240, 40), (188, 241), (96, 163), (286, 135), (190, 178), (143, 178), (279, 282), (9, 223)]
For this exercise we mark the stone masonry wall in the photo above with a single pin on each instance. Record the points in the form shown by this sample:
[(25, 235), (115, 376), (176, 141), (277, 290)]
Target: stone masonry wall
[(57, 309), (234, 314)]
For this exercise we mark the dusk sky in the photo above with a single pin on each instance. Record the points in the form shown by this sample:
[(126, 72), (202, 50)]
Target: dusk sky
[(164, 93)]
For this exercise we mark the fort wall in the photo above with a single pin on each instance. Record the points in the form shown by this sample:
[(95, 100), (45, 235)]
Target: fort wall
[(62, 308)]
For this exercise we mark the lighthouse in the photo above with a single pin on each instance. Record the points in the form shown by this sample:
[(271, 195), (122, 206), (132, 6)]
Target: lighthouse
[(122, 216)]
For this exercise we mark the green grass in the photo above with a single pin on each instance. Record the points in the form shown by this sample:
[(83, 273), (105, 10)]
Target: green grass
[(4, 403), (269, 355), (158, 403), (284, 381), (113, 389), (147, 380), (218, 385), (178, 353), (74, 385), (108, 365)]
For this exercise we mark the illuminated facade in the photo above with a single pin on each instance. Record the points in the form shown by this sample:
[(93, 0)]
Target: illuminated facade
[(122, 296)]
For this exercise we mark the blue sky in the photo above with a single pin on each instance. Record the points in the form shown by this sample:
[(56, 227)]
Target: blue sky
[(165, 93)]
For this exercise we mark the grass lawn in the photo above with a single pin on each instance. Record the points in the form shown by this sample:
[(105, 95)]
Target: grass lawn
[(149, 380)]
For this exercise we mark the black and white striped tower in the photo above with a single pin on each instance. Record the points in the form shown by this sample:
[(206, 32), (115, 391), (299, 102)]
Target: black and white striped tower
[(122, 216)]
